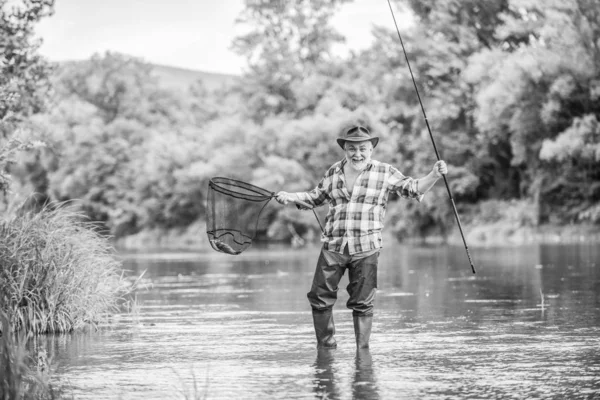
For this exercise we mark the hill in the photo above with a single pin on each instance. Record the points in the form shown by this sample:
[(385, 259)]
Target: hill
[(181, 78)]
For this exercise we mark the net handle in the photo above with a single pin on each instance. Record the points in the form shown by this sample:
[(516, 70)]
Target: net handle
[(306, 205), (297, 201), (303, 204)]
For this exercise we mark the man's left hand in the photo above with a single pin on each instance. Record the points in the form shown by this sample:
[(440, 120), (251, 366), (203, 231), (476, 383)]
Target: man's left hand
[(440, 168)]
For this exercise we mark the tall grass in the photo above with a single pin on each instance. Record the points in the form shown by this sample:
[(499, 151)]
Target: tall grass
[(17, 379), (58, 273)]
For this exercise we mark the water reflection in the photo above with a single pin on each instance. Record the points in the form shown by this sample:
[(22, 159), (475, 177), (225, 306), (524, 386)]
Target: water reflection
[(325, 383), (365, 384)]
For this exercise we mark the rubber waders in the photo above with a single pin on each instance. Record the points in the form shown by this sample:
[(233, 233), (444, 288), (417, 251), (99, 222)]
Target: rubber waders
[(324, 328), (362, 330)]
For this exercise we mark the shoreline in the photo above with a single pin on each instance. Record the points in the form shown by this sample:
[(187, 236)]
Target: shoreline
[(481, 235), (543, 234)]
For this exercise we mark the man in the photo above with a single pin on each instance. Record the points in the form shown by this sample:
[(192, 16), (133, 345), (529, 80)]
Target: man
[(356, 189)]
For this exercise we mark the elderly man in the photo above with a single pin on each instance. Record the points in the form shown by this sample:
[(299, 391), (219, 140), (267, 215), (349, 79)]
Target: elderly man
[(356, 189)]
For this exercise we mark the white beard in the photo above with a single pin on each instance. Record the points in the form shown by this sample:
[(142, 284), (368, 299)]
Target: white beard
[(358, 166)]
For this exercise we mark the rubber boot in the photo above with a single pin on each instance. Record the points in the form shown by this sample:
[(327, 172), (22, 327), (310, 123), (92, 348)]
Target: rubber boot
[(362, 330), (324, 329)]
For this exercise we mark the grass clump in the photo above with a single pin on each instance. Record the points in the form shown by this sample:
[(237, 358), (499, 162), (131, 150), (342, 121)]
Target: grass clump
[(58, 273)]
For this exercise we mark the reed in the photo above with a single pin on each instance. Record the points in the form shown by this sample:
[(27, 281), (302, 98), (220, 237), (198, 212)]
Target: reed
[(197, 391), (58, 273), (17, 379)]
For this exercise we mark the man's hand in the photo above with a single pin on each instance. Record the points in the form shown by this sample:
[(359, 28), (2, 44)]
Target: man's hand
[(440, 168), (283, 197)]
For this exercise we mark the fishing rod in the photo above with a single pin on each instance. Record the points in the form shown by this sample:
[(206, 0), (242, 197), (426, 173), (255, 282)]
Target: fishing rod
[(437, 154)]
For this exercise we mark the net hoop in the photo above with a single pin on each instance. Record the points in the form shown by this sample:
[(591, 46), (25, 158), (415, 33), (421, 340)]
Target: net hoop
[(233, 233), (232, 187)]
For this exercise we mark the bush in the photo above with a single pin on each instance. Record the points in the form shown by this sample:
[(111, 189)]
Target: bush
[(517, 212), (58, 273)]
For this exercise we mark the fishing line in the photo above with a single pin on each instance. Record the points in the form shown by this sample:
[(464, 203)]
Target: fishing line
[(437, 154)]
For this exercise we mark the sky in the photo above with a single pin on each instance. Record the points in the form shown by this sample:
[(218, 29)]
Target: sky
[(192, 34)]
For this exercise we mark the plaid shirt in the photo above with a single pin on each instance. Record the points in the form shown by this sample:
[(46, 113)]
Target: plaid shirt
[(357, 219)]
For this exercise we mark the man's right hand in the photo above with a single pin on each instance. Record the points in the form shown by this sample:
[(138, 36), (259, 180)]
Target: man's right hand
[(283, 197)]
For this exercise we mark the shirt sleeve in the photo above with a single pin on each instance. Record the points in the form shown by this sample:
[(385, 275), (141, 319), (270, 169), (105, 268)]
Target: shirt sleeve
[(319, 195), (405, 186)]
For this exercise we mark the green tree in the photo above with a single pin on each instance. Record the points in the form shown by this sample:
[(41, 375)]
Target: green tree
[(287, 42), (447, 36), (107, 110), (536, 95), (119, 86), (23, 72), (135, 155), (24, 82)]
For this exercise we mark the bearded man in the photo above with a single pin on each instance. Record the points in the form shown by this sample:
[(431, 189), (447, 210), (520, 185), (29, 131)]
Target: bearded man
[(356, 189)]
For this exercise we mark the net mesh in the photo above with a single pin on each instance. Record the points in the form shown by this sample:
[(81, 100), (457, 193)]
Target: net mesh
[(232, 213)]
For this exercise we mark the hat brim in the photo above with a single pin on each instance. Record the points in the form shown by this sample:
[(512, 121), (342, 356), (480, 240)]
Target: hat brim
[(374, 140)]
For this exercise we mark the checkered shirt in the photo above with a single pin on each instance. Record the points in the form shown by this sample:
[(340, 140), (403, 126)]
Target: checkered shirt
[(357, 219)]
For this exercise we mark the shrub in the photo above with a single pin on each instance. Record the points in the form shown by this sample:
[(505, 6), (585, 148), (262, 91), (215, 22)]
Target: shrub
[(517, 212), (58, 273)]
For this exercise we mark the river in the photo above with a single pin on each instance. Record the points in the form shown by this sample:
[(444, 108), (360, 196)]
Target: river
[(215, 326)]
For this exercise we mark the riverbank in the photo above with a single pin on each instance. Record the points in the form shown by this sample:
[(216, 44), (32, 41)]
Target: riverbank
[(500, 233), (497, 233)]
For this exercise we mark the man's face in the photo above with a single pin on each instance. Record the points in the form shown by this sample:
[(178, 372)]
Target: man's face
[(358, 154)]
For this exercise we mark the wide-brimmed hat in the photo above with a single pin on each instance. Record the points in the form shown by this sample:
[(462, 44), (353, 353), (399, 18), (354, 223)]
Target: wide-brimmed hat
[(357, 133)]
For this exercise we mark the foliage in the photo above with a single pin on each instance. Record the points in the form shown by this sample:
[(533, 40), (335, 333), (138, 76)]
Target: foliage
[(111, 120), (580, 141), (531, 98), (286, 44), (8, 155), (58, 274), (511, 89), (23, 73), (119, 86), (24, 78), (517, 212)]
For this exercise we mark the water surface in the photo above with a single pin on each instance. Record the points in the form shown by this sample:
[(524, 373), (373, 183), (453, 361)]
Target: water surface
[(215, 326)]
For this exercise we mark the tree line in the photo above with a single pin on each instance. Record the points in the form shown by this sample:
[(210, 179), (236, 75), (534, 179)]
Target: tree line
[(511, 89)]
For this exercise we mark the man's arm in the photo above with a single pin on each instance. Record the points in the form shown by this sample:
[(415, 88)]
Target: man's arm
[(427, 182), (302, 202), (285, 197), (315, 197)]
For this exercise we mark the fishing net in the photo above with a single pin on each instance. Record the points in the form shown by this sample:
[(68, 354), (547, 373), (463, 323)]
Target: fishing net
[(232, 213)]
